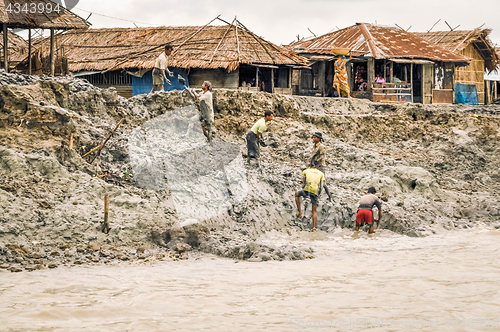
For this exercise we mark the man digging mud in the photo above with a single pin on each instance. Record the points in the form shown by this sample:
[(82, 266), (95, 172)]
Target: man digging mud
[(365, 213), (254, 136), (206, 111), (319, 155), (313, 182)]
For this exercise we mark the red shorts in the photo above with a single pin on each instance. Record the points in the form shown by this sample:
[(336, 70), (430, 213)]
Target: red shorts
[(364, 217)]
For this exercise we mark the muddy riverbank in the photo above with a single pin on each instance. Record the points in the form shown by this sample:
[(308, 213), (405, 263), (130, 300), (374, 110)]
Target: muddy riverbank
[(435, 167)]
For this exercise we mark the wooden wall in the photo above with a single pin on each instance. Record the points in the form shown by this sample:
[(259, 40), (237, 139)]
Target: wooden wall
[(219, 78), (123, 90), (473, 73), (427, 82)]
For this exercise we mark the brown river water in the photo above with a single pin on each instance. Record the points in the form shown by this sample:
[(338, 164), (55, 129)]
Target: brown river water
[(385, 282)]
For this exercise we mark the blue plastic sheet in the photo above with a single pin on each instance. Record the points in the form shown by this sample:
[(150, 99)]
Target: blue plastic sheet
[(466, 94), (144, 84)]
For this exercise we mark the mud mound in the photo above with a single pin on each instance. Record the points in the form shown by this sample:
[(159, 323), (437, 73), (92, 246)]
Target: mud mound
[(435, 167)]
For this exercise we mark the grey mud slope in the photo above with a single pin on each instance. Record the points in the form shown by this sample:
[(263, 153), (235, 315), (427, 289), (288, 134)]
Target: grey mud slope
[(435, 168)]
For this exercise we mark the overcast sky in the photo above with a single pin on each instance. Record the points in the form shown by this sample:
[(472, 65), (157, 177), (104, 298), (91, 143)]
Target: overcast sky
[(280, 21)]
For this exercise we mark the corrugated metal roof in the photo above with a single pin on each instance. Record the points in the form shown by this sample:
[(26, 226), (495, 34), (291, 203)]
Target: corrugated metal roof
[(389, 42)]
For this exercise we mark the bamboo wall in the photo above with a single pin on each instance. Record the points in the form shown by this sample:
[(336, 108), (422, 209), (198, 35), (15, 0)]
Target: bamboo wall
[(473, 73), (219, 78)]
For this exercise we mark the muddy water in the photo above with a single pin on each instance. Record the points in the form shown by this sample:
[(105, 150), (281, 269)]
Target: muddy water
[(387, 281)]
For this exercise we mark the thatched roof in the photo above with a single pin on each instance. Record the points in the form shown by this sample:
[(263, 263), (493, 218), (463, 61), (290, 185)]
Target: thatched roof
[(24, 19), (379, 42), (16, 44), (210, 46), (459, 39)]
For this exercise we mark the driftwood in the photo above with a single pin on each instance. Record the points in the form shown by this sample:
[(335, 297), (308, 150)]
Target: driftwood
[(100, 146)]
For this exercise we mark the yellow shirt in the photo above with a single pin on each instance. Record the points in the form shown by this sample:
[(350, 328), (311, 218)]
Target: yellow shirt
[(259, 126), (313, 179)]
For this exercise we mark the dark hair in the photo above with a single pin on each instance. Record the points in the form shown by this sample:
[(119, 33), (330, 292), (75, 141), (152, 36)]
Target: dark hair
[(208, 85), (318, 135), (168, 47), (268, 113), (314, 163), (371, 190)]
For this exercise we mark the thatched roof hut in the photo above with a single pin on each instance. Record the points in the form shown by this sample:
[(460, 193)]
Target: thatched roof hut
[(205, 47), (16, 45), (459, 40), (42, 14), (229, 55), (474, 44)]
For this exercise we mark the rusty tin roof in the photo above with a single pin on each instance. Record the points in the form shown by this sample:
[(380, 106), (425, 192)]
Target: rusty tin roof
[(380, 42)]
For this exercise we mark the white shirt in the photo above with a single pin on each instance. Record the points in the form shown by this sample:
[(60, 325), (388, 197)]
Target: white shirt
[(162, 61)]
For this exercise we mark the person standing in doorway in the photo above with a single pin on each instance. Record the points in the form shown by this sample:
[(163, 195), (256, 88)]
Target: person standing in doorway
[(161, 66)]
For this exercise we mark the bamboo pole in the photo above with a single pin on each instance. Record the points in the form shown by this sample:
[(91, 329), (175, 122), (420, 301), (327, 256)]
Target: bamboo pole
[(221, 40), (5, 48), (237, 41), (411, 81), (52, 57), (255, 37), (100, 146), (29, 51)]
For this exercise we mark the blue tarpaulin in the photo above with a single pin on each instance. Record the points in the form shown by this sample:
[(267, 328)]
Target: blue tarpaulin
[(466, 94), (144, 84)]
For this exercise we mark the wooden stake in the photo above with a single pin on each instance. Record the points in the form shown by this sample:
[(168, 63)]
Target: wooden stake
[(106, 228), (52, 55), (5, 48), (71, 141)]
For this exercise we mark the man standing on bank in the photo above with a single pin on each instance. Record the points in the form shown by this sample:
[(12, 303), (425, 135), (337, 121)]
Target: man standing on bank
[(161, 66), (255, 135), (313, 182), (365, 213), (319, 155)]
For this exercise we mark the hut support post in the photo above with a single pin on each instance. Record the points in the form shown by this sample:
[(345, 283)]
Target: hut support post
[(52, 60), (272, 80), (257, 78), (321, 77), (5, 48), (385, 70), (411, 80), (29, 51), (391, 69), (370, 67)]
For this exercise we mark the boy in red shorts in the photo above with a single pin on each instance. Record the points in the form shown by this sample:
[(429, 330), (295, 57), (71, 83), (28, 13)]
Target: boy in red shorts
[(365, 214)]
